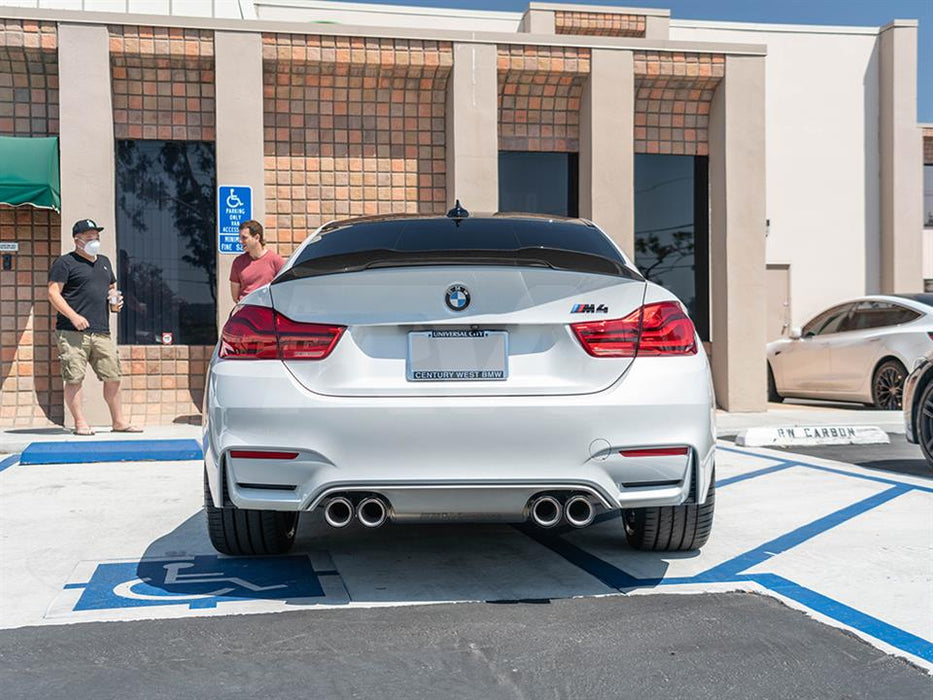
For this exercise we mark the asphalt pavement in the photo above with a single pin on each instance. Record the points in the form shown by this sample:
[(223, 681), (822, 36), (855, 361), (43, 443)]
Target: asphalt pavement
[(714, 646)]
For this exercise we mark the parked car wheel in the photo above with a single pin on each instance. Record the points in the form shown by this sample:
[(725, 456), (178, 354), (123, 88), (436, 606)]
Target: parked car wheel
[(887, 385), (248, 532), (773, 394), (671, 528), (924, 430)]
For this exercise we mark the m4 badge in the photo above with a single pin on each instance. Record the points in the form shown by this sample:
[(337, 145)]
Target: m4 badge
[(589, 309)]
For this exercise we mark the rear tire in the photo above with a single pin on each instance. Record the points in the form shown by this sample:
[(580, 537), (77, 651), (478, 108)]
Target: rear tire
[(924, 423), (671, 528), (773, 394), (887, 386), (248, 532)]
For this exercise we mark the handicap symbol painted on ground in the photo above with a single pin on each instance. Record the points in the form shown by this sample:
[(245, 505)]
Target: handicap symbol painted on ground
[(199, 582)]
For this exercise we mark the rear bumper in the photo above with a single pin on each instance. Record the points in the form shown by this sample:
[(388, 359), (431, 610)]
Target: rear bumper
[(460, 458)]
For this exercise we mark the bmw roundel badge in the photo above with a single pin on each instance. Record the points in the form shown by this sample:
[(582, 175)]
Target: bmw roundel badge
[(457, 297)]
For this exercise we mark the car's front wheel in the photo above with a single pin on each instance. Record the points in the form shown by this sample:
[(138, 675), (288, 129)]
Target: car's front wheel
[(671, 528), (887, 385), (248, 532), (924, 423)]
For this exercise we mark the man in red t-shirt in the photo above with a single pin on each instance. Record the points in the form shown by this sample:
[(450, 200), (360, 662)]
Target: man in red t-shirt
[(256, 265)]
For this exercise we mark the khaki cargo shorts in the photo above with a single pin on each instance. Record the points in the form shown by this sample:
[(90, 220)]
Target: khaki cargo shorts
[(77, 350)]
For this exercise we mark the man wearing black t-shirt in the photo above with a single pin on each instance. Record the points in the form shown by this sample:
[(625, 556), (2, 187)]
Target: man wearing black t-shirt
[(79, 285)]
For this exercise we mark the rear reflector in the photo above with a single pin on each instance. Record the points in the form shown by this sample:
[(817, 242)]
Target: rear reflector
[(655, 329), (261, 333), (261, 454), (655, 452)]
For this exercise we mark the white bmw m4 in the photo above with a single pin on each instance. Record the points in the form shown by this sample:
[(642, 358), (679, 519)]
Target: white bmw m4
[(417, 369)]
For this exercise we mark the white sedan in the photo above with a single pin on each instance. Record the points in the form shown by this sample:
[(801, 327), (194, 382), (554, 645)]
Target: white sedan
[(441, 369), (861, 351)]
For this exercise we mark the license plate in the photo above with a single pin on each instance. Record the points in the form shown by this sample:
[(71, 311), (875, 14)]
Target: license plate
[(458, 356)]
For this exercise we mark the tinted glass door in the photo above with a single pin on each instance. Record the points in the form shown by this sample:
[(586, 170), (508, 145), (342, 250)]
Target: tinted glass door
[(166, 242), (672, 228)]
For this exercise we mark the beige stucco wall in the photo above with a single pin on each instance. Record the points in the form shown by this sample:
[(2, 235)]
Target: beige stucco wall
[(823, 196), (473, 128), (901, 161), (87, 159), (607, 170), (737, 176), (239, 96)]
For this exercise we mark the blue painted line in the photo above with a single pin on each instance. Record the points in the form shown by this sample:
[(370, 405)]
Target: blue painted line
[(753, 474), (72, 452), (810, 465), (872, 626), (787, 541), (9, 461), (867, 477)]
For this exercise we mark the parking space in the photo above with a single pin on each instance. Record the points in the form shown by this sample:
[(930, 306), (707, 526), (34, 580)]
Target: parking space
[(850, 546)]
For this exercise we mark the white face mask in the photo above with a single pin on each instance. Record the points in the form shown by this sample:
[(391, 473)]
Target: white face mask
[(92, 247)]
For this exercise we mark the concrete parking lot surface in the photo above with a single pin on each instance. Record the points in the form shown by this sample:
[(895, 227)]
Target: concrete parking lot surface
[(841, 544)]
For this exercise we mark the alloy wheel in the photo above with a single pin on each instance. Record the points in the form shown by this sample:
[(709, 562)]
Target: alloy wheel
[(889, 387)]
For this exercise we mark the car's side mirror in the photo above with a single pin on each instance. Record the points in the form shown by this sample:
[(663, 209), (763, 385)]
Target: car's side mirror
[(794, 333)]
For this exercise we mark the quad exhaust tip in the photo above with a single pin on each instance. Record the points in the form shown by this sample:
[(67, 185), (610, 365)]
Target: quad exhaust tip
[(338, 512), (546, 511), (372, 512), (579, 511)]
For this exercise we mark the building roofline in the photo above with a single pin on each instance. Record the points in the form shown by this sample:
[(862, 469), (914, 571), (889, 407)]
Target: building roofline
[(468, 37), (773, 28), (600, 9), (419, 10)]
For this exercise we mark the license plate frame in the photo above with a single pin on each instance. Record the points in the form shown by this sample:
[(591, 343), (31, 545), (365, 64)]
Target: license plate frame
[(419, 343)]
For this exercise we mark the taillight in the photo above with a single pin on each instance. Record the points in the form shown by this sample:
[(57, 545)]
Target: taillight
[(249, 334), (305, 341), (260, 333), (661, 328)]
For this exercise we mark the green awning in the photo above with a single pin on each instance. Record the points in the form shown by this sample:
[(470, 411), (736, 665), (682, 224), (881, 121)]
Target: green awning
[(29, 172)]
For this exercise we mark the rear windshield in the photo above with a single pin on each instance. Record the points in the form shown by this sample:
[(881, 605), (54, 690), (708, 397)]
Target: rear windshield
[(553, 243)]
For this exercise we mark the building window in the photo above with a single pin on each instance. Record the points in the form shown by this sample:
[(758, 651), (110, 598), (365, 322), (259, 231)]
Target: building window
[(166, 225), (538, 183), (672, 228)]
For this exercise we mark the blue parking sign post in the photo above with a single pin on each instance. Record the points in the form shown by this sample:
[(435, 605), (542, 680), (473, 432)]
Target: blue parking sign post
[(234, 206)]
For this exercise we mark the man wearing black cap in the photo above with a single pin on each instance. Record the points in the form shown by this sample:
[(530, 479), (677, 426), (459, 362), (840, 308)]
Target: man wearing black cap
[(79, 286)]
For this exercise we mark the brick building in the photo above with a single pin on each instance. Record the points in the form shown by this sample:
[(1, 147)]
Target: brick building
[(729, 159)]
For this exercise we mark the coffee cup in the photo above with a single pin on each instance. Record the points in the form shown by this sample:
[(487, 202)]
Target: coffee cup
[(115, 297)]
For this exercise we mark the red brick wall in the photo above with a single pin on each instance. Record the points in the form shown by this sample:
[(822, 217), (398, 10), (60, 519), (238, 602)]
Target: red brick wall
[(163, 88), (928, 146), (163, 83), (28, 78), (30, 383), (673, 93), (30, 374), (352, 127), (539, 97), (599, 24), (163, 384)]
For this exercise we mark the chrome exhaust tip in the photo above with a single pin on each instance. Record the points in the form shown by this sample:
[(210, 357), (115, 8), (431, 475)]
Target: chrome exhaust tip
[(338, 512), (579, 511), (372, 512), (545, 511)]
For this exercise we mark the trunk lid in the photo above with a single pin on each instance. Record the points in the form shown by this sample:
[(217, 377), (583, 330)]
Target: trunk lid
[(533, 306)]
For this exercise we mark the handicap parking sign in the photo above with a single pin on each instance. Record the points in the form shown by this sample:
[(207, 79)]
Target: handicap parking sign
[(198, 582), (234, 206)]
